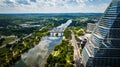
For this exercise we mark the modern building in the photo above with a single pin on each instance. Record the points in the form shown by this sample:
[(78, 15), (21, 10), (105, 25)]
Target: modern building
[(90, 27), (103, 47)]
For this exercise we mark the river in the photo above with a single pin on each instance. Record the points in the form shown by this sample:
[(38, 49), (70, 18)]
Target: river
[(35, 56)]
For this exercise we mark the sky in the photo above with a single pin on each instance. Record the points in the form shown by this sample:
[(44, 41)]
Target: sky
[(53, 6)]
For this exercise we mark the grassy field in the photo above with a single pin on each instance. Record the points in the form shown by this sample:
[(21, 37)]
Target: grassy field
[(9, 39)]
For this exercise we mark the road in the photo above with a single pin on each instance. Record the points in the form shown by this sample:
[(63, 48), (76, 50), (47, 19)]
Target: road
[(77, 54)]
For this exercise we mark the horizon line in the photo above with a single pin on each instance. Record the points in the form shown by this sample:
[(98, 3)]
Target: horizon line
[(52, 13)]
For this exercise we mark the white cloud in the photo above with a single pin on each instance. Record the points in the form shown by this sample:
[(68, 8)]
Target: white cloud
[(48, 6), (14, 1)]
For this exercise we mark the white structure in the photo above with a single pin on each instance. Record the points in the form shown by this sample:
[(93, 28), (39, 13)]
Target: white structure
[(58, 31), (90, 27)]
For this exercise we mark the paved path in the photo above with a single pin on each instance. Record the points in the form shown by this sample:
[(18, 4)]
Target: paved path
[(77, 54)]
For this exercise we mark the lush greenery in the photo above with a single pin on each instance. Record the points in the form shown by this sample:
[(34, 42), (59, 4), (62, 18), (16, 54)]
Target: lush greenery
[(67, 34), (8, 40), (12, 52), (78, 32), (11, 25), (82, 22), (1, 41), (62, 56), (28, 37), (20, 32)]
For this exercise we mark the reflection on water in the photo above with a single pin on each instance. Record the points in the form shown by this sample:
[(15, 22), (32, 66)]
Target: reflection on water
[(36, 55)]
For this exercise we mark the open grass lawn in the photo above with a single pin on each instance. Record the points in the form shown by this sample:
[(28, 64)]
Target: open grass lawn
[(9, 39)]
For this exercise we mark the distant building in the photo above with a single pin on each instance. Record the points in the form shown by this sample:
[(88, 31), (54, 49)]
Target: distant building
[(103, 46), (95, 19), (90, 27)]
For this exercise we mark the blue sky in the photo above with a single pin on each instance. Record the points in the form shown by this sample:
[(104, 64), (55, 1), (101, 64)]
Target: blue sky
[(53, 6)]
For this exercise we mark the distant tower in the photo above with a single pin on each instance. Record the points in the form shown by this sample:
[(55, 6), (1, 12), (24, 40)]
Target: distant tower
[(103, 47)]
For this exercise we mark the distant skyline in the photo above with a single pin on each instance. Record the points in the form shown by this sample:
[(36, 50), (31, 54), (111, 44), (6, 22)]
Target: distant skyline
[(53, 6)]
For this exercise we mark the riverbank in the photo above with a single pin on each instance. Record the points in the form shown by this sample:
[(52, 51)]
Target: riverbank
[(27, 50), (11, 53), (36, 55), (62, 56)]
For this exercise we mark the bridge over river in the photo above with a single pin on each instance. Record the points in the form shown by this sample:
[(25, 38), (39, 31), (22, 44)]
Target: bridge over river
[(36, 56), (58, 31)]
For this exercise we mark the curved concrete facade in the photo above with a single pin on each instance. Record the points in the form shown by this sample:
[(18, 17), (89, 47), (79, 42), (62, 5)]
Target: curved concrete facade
[(103, 47)]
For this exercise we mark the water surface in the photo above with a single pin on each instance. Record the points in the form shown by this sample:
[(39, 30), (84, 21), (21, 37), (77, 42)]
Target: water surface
[(36, 55)]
